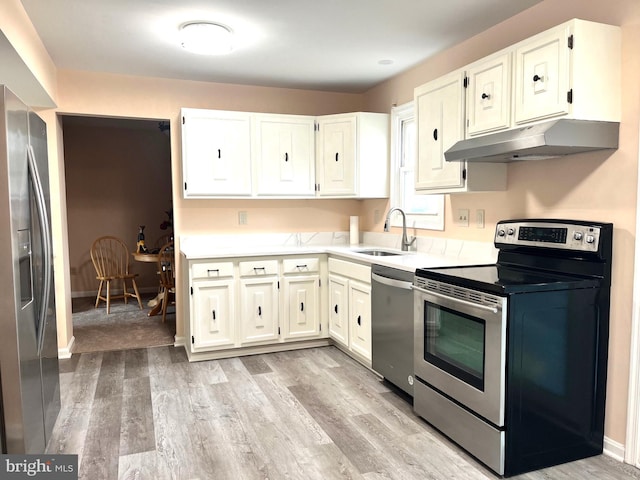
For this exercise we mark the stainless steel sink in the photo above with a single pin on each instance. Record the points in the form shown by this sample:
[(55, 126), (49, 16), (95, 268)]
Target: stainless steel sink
[(378, 253)]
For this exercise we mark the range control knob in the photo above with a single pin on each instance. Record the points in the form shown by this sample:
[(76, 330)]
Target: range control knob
[(590, 239), (511, 231), (501, 233), (577, 236)]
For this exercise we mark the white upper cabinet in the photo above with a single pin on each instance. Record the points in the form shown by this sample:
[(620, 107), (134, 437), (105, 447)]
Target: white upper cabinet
[(440, 107), (216, 153), (249, 155), (284, 157), (440, 115), (352, 155), (337, 155), (571, 70), (489, 94)]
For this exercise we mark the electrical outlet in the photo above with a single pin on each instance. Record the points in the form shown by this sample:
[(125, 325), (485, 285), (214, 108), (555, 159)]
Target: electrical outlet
[(376, 216), (480, 218), (242, 218), (462, 217)]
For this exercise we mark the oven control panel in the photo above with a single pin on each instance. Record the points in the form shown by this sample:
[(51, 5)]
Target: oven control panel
[(569, 236)]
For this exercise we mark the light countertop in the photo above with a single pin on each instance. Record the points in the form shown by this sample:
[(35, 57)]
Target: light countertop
[(430, 252)]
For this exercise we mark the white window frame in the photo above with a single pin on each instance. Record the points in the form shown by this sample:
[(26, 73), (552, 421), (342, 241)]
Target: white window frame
[(430, 221)]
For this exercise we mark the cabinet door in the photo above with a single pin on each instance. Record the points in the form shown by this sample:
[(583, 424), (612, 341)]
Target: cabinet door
[(440, 114), (337, 151), (301, 311), (542, 76), (213, 316), (339, 309), (284, 154), (360, 318), (489, 95), (216, 153), (259, 300)]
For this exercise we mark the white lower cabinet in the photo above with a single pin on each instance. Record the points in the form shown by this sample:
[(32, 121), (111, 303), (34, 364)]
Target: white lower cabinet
[(339, 309), (259, 300), (213, 315), (249, 303), (350, 306), (301, 307), (360, 318)]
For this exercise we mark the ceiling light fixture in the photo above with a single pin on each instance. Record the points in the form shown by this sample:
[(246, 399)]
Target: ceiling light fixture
[(206, 38)]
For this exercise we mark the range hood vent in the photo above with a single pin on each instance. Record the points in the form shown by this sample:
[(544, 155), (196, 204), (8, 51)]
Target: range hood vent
[(537, 142)]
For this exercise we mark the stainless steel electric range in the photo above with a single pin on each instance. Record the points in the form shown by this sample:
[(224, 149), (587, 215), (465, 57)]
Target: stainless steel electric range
[(511, 359)]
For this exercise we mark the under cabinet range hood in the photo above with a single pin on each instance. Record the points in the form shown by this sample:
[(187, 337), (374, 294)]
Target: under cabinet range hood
[(550, 139)]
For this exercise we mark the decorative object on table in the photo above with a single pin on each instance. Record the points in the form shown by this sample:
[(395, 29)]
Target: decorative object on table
[(141, 247), (110, 257), (166, 268)]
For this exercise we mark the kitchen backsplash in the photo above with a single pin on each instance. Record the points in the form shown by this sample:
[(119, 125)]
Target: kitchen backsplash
[(424, 244)]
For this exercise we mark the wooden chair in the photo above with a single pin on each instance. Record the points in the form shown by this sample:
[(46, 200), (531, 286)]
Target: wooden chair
[(166, 269), (110, 257), (161, 241)]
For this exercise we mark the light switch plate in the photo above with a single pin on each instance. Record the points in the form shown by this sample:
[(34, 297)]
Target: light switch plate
[(242, 218)]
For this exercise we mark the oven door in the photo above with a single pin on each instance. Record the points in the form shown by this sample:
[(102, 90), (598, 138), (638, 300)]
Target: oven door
[(460, 346)]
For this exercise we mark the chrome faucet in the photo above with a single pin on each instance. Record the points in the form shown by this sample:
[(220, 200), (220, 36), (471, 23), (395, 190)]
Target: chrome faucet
[(405, 242)]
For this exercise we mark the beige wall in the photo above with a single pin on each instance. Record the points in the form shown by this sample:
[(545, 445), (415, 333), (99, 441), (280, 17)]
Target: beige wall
[(117, 178), (599, 186)]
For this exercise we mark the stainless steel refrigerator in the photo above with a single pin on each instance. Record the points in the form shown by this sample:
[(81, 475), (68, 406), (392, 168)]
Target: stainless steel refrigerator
[(29, 377)]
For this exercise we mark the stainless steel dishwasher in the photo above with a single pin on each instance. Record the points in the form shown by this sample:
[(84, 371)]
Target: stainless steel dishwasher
[(392, 325)]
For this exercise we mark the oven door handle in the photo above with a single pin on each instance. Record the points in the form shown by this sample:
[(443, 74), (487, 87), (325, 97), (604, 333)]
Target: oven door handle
[(391, 282), (457, 300)]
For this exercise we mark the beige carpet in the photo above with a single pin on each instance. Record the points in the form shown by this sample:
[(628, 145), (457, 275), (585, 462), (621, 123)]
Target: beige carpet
[(126, 327)]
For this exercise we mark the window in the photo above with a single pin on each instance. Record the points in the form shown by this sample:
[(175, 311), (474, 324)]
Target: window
[(422, 211)]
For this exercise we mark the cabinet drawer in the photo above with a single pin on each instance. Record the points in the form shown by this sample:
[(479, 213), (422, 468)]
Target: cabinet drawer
[(258, 267), (350, 269), (300, 265), (212, 270)]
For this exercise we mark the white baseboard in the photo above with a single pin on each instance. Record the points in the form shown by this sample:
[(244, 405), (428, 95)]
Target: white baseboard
[(65, 352), (178, 341), (614, 449)]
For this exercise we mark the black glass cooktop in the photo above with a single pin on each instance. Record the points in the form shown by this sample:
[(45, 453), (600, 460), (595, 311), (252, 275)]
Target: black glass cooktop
[(501, 279)]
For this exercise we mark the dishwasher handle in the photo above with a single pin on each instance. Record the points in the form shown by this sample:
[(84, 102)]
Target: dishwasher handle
[(391, 282)]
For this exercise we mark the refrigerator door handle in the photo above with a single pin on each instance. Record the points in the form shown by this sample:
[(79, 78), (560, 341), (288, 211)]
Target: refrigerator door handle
[(41, 206)]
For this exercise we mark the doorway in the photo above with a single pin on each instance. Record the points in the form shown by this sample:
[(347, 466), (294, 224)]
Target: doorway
[(118, 179)]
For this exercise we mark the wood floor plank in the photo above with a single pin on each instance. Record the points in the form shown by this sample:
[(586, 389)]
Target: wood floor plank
[(356, 448), (137, 433), (89, 363), (111, 375), (172, 420), (293, 416), (141, 466), (369, 391), (102, 442), (136, 363), (255, 364), (328, 462)]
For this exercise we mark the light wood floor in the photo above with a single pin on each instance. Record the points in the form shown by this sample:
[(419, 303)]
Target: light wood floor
[(307, 414)]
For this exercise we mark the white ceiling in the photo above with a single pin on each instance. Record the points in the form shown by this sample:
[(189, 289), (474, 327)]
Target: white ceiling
[(333, 45)]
